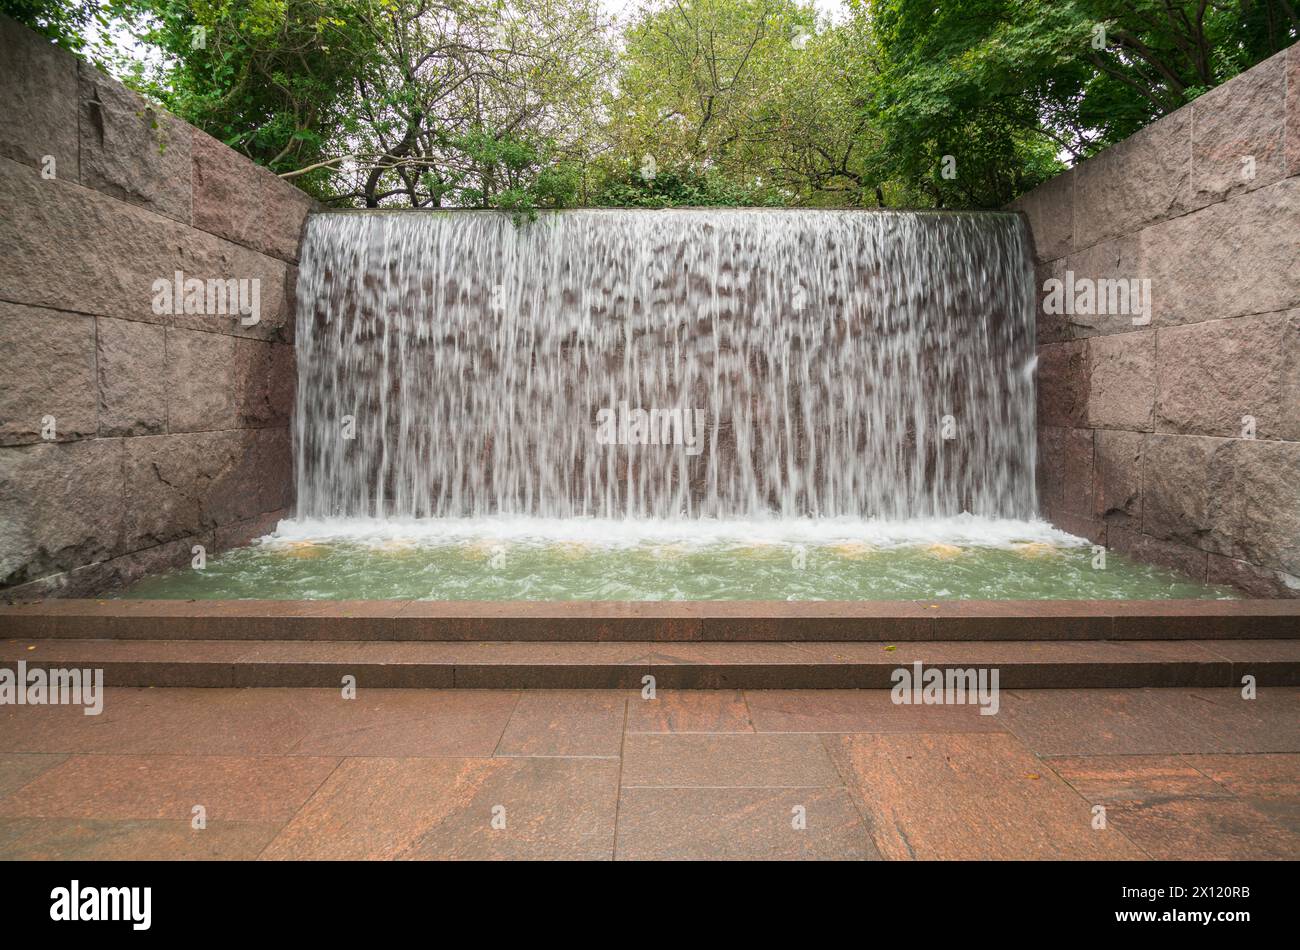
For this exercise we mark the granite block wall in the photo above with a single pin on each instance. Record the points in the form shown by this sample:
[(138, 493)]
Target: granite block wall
[(129, 434), (1174, 435)]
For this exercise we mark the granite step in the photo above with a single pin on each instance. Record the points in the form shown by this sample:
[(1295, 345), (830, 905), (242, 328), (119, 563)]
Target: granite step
[(663, 622), (787, 665)]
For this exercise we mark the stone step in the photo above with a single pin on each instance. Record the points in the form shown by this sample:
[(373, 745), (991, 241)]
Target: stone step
[(663, 622), (510, 665)]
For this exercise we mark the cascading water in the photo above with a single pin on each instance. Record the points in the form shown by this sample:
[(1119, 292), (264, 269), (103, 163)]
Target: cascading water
[(843, 364)]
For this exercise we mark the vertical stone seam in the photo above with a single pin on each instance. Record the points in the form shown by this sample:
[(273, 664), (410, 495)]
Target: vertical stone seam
[(1286, 113), (167, 392), (121, 541), (1074, 217), (98, 384), (1094, 477), (1191, 157), (76, 105), (1155, 368), (189, 193)]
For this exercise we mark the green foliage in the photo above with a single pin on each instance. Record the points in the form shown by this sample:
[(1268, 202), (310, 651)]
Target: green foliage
[(82, 27), (1009, 88), (271, 78), (513, 175), (740, 98), (679, 188)]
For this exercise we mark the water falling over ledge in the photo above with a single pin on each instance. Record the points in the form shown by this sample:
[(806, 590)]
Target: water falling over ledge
[(845, 364)]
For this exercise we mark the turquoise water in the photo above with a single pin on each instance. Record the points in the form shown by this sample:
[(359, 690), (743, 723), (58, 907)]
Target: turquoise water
[(943, 560)]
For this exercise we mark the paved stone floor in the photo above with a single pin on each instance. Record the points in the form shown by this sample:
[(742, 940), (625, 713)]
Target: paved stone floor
[(279, 773)]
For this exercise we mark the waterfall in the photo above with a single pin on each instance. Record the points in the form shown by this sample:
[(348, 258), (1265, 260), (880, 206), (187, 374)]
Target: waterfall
[(838, 363)]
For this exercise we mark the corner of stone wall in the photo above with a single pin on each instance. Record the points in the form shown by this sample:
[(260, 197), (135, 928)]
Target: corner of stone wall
[(127, 436), (1176, 439)]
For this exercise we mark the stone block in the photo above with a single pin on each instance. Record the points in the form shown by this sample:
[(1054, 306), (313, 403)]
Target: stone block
[(1234, 497), (1050, 327), (1144, 179), (121, 250), (1065, 472), (38, 101), (132, 364), (242, 202), (216, 381), (1171, 554), (1122, 380), (1049, 211), (60, 507), (1077, 485), (1186, 482), (1062, 384), (1103, 265), (244, 532), (1081, 526), (47, 363), (183, 484), (132, 149), (1230, 259), (1244, 118), (1214, 374), (1117, 477), (1259, 519), (173, 480), (101, 577), (1251, 578)]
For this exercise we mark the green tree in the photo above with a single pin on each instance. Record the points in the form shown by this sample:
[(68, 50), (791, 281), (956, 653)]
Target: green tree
[(999, 93), (80, 26), (743, 98), (271, 78), (487, 104)]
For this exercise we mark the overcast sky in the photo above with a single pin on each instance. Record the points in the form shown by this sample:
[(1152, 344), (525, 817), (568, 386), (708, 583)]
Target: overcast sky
[(833, 8)]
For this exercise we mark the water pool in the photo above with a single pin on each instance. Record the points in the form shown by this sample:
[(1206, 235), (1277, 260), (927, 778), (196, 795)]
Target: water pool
[(533, 559)]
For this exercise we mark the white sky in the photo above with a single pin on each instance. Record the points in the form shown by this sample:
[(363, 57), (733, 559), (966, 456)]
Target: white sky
[(832, 8)]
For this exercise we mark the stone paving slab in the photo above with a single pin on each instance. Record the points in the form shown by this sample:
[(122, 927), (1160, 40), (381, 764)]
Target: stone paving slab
[(738, 760), (1134, 722), (741, 824), (403, 723), (79, 839), (233, 788), (695, 710), (1170, 808), (16, 770), (565, 723), (1270, 782), (858, 710), (446, 808), (594, 774), (967, 797)]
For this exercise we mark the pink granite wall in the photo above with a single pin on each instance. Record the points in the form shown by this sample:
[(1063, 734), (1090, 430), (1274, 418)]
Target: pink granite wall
[(1144, 438), (169, 430)]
